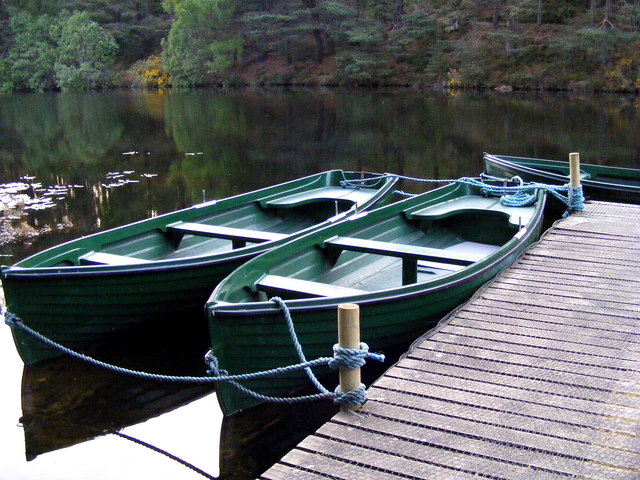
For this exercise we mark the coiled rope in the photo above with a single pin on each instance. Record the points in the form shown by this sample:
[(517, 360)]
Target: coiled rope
[(343, 358)]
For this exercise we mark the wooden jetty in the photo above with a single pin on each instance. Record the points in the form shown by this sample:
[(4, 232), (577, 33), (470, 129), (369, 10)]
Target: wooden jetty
[(536, 377)]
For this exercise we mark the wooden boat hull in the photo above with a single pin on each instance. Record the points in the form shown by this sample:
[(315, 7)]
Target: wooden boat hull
[(248, 336), (158, 275), (612, 184)]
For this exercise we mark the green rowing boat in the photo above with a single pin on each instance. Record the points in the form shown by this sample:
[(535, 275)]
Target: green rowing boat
[(164, 268), (405, 265), (599, 182)]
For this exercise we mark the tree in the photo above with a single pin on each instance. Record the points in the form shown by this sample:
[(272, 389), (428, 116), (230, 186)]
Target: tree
[(32, 55), (201, 42), (86, 53)]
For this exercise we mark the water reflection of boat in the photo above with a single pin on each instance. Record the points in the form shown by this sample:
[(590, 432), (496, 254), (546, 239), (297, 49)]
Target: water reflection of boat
[(157, 269), (405, 264), (66, 402)]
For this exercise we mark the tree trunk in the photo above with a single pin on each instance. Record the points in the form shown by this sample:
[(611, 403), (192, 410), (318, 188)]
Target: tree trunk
[(317, 35), (608, 9), (510, 27), (593, 6), (539, 19), (317, 32), (398, 15)]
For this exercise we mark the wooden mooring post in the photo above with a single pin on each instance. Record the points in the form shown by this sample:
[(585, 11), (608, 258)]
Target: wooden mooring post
[(574, 169), (349, 337)]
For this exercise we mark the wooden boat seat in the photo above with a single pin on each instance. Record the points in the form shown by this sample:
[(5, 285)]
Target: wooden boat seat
[(276, 285), (410, 254), (101, 258), (239, 236), (357, 196), (517, 215)]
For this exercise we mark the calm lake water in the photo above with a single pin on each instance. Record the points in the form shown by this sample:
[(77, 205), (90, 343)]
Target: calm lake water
[(73, 164)]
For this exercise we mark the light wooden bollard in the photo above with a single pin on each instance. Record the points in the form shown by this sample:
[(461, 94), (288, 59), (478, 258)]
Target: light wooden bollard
[(349, 337), (574, 169)]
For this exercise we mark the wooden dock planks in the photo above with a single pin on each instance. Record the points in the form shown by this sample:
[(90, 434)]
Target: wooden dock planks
[(536, 377)]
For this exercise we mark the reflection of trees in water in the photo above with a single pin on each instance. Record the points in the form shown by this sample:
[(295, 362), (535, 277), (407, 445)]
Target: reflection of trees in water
[(91, 125), (60, 130), (251, 138)]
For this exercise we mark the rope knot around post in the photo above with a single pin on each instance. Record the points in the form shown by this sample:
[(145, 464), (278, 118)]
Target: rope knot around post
[(351, 358), (353, 399)]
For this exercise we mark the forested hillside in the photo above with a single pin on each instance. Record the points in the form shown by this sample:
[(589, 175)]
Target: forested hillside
[(535, 44)]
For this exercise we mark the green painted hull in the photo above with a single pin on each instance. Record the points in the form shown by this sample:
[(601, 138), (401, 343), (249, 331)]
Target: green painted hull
[(249, 333), (158, 275), (599, 182)]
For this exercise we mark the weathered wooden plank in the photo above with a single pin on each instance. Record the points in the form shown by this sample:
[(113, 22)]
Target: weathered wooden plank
[(585, 335), (537, 338), (613, 321), (512, 397), (613, 367), (560, 265), (579, 259), (519, 365), (589, 239), (610, 227), (513, 355), (602, 209), (398, 442), (379, 463), (285, 472), (549, 301), (617, 256), (514, 375), (625, 300), (311, 457), (561, 280), (453, 438), (589, 243), (405, 408)]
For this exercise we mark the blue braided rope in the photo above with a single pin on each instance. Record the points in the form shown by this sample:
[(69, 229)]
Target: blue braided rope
[(16, 322), (217, 375), (514, 196), (351, 398), (296, 343)]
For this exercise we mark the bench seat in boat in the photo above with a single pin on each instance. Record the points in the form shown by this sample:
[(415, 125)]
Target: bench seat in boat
[(276, 284), (239, 236)]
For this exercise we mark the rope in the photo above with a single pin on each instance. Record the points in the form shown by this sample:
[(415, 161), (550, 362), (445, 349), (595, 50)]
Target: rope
[(343, 358), (296, 343), (166, 454), (521, 195), (16, 322)]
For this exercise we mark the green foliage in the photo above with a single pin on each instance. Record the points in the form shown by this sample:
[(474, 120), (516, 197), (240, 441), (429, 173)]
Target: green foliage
[(200, 43), (587, 48), (85, 55), (137, 26), (210, 42), (32, 54), (629, 14)]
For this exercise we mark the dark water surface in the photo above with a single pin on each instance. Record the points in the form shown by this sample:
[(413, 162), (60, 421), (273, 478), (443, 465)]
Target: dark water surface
[(73, 164)]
